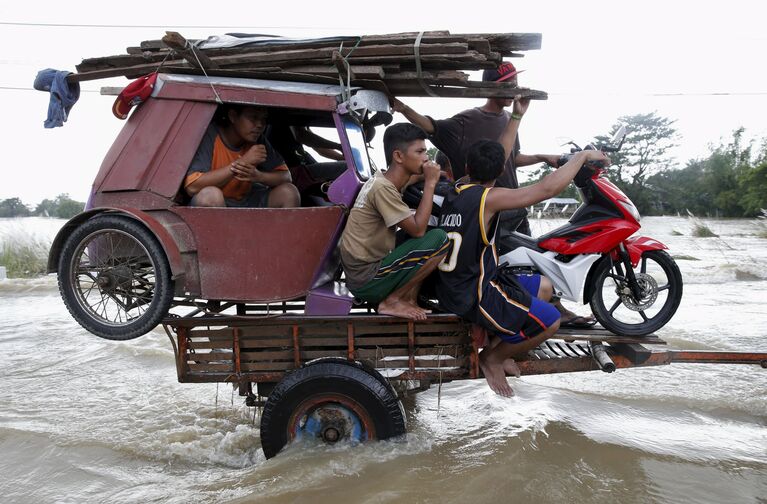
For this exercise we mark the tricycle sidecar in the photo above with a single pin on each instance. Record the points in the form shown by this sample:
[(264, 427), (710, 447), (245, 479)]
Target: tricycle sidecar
[(138, 249)]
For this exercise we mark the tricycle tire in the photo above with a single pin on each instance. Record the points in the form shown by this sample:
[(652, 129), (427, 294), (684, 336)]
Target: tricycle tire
[(114, 277)]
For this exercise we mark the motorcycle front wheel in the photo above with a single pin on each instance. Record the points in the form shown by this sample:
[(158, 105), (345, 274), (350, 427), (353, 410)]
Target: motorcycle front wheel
[(617, 308)]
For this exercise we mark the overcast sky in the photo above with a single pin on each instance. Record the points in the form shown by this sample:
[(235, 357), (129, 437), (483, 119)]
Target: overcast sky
[(701, 64)]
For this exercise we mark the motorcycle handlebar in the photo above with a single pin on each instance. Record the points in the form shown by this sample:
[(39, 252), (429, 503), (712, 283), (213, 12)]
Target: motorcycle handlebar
[(591, 164)]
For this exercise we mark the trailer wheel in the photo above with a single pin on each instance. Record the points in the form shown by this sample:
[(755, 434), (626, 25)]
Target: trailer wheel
[(332, 400), (114, 277)]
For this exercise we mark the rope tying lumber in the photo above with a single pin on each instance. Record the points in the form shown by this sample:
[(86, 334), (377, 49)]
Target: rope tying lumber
[(202, 67), (419, 73)]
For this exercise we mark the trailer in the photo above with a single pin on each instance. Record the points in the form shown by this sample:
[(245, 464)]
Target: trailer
[(341, 377)]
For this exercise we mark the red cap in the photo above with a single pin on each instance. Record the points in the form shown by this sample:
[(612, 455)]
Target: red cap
[(504, 72), (133, 94)]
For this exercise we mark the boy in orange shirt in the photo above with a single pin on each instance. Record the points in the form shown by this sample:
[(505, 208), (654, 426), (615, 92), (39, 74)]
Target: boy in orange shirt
[(236, 166)]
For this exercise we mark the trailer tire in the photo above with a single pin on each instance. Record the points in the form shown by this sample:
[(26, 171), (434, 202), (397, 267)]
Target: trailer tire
[(333, 400)]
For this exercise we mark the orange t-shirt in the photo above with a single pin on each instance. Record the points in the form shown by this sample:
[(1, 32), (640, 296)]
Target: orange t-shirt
[(214, 154)]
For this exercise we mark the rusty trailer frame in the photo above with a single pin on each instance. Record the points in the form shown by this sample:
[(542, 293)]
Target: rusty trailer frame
[(261, 348)]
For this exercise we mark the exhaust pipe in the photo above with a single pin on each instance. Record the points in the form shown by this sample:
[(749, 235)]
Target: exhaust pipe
[(599, 353)]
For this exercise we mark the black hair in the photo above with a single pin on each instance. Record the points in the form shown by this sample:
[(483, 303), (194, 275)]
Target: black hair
[(221, 116), (485, 161), (442, 159), (399, 137)]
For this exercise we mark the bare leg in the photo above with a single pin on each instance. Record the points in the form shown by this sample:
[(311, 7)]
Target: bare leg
[(545, 290), (492, 359), (284, 196), (402, 302), (210, 196)]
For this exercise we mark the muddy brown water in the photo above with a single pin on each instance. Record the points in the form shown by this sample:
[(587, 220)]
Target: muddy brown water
[(89, 420)]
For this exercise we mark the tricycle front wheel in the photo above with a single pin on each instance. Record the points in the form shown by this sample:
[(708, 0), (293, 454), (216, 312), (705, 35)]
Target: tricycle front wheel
[(114, 277)]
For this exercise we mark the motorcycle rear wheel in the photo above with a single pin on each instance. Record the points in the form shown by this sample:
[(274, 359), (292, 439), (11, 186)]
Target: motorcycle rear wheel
[(618, 310)]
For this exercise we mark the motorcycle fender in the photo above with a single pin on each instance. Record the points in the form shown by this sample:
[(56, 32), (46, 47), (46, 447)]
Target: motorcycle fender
[(637, 245)]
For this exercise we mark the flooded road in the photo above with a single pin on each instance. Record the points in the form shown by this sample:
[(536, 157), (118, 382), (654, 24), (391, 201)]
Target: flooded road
[(88, 420)]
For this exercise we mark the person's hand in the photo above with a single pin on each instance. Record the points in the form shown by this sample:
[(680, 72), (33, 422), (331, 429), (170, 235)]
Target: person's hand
[(520, 105), (551, 159), (244, 171), (397, 106), (431, 171), (597, 155), (255, 155)]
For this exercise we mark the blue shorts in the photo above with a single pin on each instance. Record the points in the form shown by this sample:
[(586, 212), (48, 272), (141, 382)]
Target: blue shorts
[(507, 314)]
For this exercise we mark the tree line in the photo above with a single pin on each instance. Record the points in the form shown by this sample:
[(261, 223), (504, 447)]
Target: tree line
[(62, 206), (730, 182)]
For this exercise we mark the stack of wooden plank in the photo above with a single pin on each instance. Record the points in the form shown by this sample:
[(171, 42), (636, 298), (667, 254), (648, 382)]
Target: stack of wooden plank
[(400, 64)]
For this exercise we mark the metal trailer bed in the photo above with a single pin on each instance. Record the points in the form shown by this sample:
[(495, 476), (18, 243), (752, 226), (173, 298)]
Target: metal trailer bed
[(274, 349)]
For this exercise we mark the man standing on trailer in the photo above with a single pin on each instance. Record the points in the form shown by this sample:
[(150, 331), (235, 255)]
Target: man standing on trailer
[(470, 284), (455, 135), (376, 271)]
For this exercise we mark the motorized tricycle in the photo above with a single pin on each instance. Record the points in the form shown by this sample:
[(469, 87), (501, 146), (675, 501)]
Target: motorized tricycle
[(256, 296)]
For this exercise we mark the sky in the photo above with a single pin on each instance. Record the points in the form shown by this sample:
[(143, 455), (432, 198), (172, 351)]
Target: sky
[(702, 65)]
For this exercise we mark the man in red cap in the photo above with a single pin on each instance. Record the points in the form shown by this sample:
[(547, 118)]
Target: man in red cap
[(455, 135)]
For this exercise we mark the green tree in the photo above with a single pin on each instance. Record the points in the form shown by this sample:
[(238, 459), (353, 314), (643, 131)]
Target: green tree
[(645, 151), (754, 190), (62, 207), (66, 207), (544, 169), (46, 208), (730, 182), (13, 207)]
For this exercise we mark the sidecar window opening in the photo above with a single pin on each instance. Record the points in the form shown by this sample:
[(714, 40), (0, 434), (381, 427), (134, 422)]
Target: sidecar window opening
[(285, 122)]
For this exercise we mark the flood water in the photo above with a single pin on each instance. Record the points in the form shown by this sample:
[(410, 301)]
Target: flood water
[(88, 420)]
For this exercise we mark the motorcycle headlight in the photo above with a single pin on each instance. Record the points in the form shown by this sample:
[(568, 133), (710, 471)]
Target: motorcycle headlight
[(630, 208)]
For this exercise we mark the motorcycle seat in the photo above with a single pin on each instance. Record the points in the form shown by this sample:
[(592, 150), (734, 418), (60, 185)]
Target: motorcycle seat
[(514, 240)]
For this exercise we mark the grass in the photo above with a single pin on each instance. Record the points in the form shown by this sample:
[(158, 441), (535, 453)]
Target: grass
[(762, 222), (700, 230), (25, 260), (674, 232)]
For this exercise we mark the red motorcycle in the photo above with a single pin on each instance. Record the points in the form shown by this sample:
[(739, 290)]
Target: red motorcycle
[(633, 286)]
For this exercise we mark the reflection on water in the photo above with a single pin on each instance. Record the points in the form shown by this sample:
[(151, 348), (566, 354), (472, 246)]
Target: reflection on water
[(84, 419)]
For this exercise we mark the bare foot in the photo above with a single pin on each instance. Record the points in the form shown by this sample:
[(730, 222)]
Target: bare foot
[(397, 308), (494, 374), (569, 316), (511, 369)]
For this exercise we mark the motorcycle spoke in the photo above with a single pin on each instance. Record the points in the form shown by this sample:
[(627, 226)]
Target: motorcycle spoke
[(614, 306), (644, 317), (665, 287)]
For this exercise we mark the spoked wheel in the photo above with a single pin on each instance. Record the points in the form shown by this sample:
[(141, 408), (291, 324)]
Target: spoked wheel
[(114, 278), (617, 308), (331, 400)]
